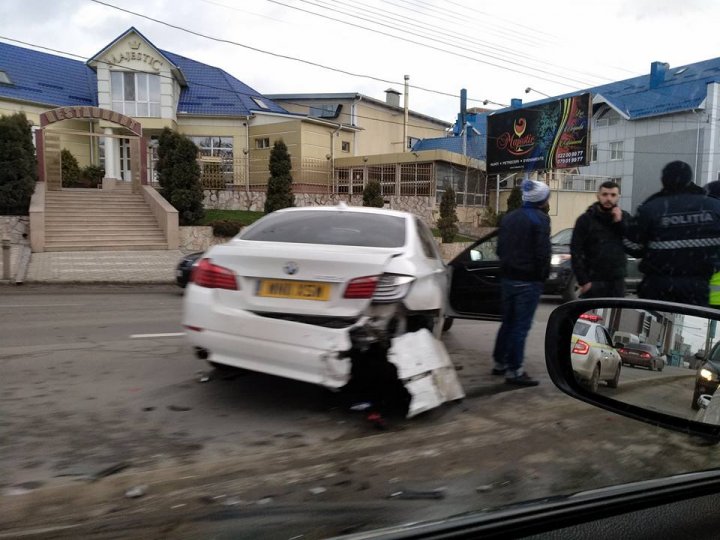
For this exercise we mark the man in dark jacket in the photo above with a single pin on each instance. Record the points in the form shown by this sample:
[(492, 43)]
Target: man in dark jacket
[(524, 251), (677, 233), (597, 254)]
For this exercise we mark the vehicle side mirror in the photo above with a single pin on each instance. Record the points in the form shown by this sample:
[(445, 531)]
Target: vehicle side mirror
[(636, 383)]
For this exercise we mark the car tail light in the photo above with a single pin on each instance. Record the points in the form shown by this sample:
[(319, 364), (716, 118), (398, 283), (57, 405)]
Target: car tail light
[(624, 351), (212, 276), (362, 287), (581, 347), (392, 287), (645, 355)]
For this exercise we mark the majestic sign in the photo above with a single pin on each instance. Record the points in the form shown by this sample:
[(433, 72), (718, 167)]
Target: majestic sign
[(554, 135), (71, 113), (134, 55)]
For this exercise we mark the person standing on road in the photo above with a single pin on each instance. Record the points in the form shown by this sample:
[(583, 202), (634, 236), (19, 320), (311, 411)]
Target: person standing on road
[(524, 251), (676, 232), (597, 254)]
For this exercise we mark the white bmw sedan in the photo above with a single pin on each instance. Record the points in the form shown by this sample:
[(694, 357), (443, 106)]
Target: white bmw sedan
[(292, 293)]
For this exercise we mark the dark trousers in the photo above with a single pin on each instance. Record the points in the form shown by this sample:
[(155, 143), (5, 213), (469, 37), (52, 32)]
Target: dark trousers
[(693, 290), (519, 302), (602, 289)]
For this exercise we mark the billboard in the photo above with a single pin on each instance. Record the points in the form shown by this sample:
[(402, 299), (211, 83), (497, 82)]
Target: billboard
[(553, 135)]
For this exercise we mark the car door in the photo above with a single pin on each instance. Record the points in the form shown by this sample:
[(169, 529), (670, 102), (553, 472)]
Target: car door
[(608, 360), (475, 282)]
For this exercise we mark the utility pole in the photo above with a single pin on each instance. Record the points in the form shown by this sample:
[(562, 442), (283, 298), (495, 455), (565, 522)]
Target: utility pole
[(405, 121)]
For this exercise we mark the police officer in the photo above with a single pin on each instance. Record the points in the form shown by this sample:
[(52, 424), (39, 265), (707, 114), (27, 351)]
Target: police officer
[(676, 232)]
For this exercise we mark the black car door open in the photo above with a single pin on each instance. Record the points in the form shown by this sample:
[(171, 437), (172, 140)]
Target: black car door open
[(475, 281)]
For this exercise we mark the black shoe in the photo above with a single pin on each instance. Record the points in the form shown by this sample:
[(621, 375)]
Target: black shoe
[(522, 380), (496, 371)]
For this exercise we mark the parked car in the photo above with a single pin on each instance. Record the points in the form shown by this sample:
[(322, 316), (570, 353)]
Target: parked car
[(562, 281), (296, 292), (593, 356), (184, 268), (707, 377), (642, 355)]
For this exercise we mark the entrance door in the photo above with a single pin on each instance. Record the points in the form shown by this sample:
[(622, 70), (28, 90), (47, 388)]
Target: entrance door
[(125, 162)]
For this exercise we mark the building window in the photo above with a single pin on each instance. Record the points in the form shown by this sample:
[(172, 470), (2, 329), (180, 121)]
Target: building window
[(593, 153), (325, 110), (135, 94), (4, 78), (262, 142), (618, 181), (260, 103), (346, 146), (616, 150)]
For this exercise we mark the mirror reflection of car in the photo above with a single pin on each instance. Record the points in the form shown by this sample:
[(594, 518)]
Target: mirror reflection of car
[(593, 356), (642, 355), (707, 377), (661, 402), (562, 280)]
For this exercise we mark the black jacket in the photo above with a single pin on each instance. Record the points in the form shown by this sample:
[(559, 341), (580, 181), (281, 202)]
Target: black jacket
[(677, 234), (524, 244), (596, 248)]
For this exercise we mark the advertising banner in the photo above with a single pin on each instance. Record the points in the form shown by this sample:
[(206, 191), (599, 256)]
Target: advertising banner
[(554, 135)]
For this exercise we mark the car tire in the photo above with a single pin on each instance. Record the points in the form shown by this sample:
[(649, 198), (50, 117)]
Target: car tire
[(594, 380), (571, 290), (613, 383), (447, 324)]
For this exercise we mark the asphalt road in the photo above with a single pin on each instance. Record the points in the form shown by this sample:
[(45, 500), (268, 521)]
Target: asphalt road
[(100, 393)]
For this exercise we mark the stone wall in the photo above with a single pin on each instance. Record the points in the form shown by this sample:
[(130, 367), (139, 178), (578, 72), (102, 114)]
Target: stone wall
[(197, 238), (217, 199), (17, 228)]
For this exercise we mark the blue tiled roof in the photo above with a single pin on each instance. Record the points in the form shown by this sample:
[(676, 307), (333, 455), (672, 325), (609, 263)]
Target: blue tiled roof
[(684, 88), (48, 79), (45, 78), (475, 145), (212, 91)]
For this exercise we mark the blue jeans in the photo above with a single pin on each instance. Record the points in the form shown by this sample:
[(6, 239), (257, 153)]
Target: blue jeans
[(519, 302)]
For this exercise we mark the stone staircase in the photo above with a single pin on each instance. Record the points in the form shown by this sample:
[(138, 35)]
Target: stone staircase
[(97, 220)]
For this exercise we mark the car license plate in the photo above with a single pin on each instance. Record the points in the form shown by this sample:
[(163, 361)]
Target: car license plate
[(299, 290)]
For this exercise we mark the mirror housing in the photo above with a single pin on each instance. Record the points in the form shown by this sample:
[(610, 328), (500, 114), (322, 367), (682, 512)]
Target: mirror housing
[(558, 338)]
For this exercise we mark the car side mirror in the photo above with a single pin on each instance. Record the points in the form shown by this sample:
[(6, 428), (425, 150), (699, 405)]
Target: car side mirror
[(635, 383)]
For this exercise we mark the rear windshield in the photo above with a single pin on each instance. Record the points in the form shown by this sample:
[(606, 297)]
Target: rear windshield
[(581, 329), (340, 228), (562, 238), (641, 347)]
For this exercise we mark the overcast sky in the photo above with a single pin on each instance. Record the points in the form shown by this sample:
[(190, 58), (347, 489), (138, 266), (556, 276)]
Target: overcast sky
[(493, 48)]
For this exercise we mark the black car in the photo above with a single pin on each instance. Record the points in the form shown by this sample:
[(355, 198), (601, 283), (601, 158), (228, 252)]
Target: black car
[(562, 280), (707, 377), (184, 267)]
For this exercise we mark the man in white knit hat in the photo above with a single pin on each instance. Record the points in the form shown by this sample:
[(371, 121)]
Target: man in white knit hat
[(524, 251)]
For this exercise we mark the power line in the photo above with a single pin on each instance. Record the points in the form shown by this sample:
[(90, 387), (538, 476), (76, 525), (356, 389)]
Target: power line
[(478, 60), (278, 55), (396, 18)]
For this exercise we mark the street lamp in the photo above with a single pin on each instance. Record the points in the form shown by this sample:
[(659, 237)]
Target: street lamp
[(528, 90)]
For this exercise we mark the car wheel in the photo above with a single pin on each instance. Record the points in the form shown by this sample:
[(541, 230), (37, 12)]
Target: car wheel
[(696, 396), (594, 380), (571, 290), (447, 324), (613, 383)]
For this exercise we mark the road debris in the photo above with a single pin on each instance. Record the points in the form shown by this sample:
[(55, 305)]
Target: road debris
[(317, 490), (409, 494), (179, 408), (135, 492)]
